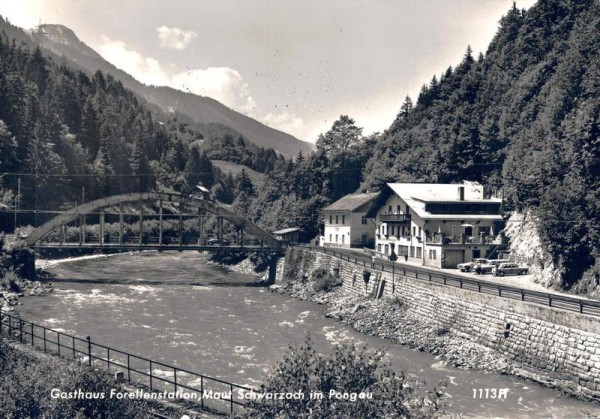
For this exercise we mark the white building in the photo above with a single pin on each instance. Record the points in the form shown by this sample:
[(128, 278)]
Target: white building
[(438, 225), (346, 221)]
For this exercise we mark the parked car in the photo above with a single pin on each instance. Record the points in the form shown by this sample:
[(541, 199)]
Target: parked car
[(216, 242), (468, 266), (510, 269), (487, 268)]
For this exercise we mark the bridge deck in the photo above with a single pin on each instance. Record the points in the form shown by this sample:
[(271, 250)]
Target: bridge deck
[(138, 247)]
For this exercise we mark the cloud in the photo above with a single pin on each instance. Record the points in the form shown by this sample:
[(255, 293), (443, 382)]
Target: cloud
[(223, 84), (228, 87), (145, 69), (286, 122), (174, 38)]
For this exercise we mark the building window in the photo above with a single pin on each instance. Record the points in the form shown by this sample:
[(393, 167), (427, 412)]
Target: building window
[(393, 230), (330, 238), (336, 219), (343, 239), (412, 251), (390, 209), (336, 238), (414, 231), (433, 251), (419, 252), (387, 249), (363, 220), (343, 219), (363, 239), (419, 232), (331, 219), (398, 209), (379, 247)]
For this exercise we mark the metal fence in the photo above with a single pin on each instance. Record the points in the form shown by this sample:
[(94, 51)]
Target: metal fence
[(149, 375), (589, 307)]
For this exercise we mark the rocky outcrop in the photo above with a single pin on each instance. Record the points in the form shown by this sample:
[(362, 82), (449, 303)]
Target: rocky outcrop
[(526, 247), (12, 291)]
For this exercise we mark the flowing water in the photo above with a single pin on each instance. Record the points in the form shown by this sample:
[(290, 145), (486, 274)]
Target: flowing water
[(174, 308)]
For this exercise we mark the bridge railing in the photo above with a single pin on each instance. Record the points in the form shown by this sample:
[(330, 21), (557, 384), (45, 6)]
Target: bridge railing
[(581, 306), (151, 376)]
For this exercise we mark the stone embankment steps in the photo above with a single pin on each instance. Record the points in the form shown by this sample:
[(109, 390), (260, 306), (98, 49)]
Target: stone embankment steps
[(556, 347)]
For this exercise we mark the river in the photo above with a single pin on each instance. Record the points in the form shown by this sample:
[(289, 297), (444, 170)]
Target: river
[(174, 308)]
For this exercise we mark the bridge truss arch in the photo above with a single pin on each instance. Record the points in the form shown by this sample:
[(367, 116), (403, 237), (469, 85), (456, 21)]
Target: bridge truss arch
[(37, 235)]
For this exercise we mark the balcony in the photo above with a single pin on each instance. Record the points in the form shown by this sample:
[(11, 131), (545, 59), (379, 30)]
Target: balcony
[(390, 217), (461, 239)]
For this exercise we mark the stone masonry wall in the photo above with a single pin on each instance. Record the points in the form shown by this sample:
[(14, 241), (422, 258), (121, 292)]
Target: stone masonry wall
[(558, 348)]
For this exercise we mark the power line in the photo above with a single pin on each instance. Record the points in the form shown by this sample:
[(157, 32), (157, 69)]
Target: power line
[(134, 214)]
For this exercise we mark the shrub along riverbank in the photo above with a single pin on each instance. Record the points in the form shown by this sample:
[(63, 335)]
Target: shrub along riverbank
[(27, 379)]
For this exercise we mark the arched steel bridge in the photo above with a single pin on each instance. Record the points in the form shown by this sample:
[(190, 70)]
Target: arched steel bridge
[(36, 238)]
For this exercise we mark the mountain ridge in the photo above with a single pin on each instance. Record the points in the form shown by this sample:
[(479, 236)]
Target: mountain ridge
[(63, 42)]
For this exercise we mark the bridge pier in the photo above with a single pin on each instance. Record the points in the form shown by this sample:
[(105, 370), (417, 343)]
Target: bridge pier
[(273, 268)]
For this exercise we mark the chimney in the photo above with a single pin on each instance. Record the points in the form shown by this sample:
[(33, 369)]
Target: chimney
[(461, 193)]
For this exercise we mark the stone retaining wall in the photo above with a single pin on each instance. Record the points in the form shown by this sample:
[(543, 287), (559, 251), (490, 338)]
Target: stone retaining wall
[(558, 348)]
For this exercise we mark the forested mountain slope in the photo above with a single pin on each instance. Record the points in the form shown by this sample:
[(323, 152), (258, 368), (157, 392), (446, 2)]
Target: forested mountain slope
[(524, 118), (200, 109), (65, 136)]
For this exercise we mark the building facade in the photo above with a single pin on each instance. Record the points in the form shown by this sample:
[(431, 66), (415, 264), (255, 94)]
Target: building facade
[(438, 225), (290, 235), (346, 222)]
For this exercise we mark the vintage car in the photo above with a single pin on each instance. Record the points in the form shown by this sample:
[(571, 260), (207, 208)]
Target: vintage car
[(487, 268), (468, 266), (216, 242), (510, 268)]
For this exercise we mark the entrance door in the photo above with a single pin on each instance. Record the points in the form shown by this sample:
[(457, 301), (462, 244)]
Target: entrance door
[(453, 257), (476, 253)]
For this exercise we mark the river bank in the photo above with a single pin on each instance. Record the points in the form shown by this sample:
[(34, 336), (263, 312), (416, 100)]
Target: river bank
[(12, 290), (480, 333), (389, 318)]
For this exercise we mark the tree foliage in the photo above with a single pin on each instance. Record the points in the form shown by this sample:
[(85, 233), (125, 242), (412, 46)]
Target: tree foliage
[(347, 370), (523, 118)]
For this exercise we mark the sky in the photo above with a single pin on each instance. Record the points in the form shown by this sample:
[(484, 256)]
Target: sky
[(293, 65)]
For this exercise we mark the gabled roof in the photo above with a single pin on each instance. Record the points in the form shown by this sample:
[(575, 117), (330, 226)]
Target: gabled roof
[(417, 195), (287, 230), (352, 202)]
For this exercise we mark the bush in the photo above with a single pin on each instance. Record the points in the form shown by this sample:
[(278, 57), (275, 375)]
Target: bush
[(396, 302), (347, 370), (26, 381), (324, 280), (10, 280)]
